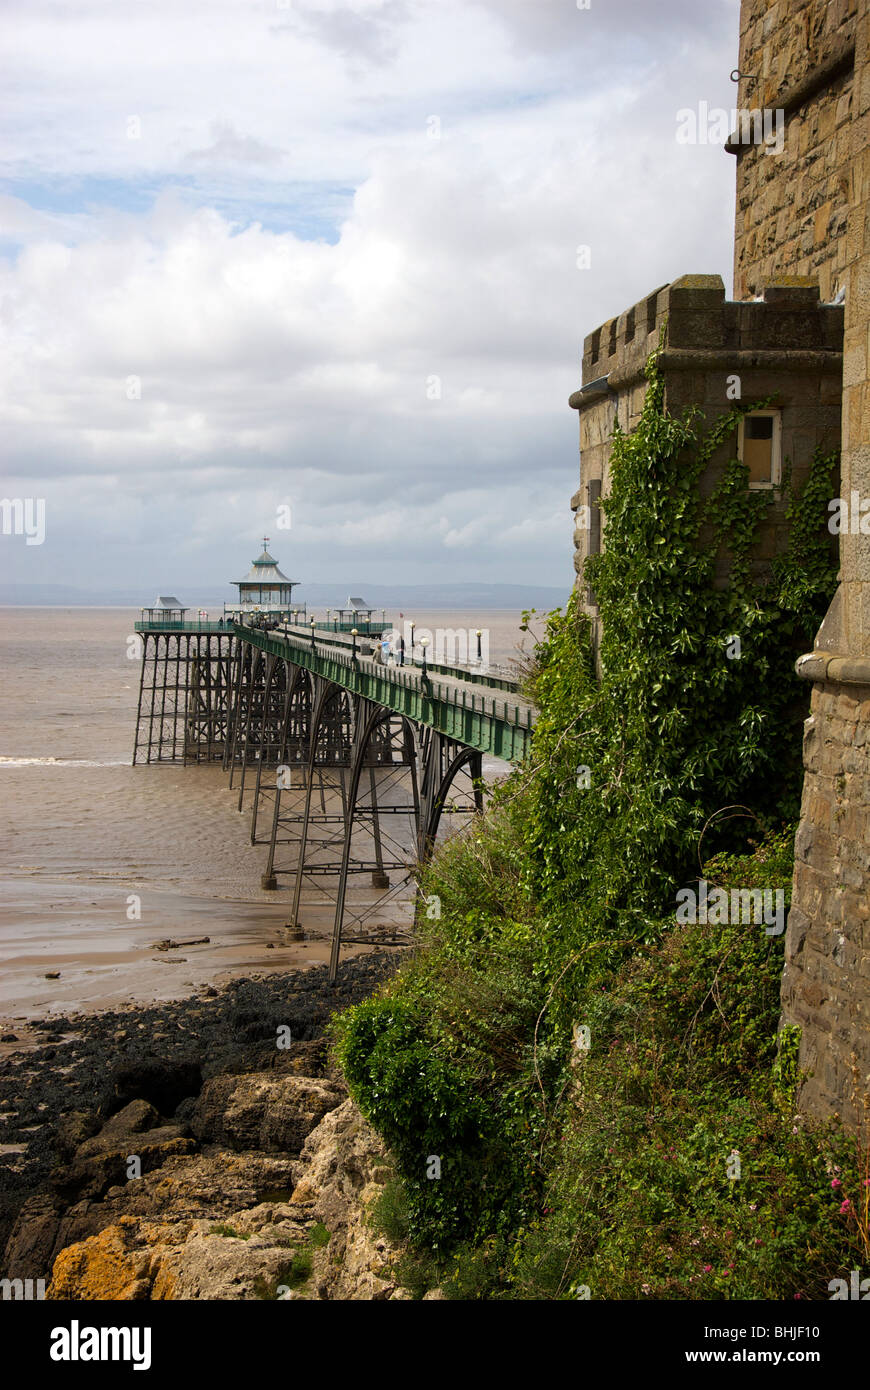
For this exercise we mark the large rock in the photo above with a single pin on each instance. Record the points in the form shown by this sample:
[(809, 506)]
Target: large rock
[(343, 1169), (225, 1225), (138, 1259), (112, 1265), (165, 1083), (184, 1188), (103, 1161), (266, 1112)]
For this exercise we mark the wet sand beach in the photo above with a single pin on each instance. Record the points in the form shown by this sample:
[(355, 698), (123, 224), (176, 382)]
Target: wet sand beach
[(83, 830)]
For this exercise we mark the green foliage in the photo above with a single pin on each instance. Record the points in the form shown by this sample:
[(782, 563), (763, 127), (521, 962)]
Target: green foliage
[(415, 1272), (676, 1083), (296, 1272), (318, 1236), (426, 1105), (223, 1228), (557, 910), (786, 1072), (390, 1213), (674, 729)]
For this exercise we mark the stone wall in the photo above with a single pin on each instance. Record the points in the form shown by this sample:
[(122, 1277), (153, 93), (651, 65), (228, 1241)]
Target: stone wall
[(786, 347), (792, 207), (802, 221), (826, 985), (826, 979)]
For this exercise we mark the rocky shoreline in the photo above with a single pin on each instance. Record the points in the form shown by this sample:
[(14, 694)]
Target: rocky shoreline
[(199, 1149)]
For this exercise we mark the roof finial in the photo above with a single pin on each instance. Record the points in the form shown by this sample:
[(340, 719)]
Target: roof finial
[(265, 542)]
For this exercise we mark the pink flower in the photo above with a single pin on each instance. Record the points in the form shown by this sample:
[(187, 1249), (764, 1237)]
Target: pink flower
[(707, 1268), (846, 1207), (835, 1183)]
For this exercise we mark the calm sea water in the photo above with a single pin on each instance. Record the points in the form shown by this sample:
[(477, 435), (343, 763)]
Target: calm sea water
[(82, 829)]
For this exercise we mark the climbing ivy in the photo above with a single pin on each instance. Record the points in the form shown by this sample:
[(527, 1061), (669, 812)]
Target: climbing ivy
[(650, 758), (695, 703)]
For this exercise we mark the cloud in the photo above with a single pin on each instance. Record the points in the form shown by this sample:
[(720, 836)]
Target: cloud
[(229, 147), (189, 360), (364, 31)]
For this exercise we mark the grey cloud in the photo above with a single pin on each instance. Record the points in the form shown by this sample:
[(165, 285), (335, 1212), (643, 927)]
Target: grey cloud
[(230, 147), (370, 37)]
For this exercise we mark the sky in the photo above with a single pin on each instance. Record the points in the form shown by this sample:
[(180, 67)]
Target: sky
[(309, 269)]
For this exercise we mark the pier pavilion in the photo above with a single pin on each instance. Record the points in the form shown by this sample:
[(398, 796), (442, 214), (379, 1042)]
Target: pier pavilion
[(266, 592)]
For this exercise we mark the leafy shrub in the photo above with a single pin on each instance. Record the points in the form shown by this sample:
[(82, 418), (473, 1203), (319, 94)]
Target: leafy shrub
[(558, 910)]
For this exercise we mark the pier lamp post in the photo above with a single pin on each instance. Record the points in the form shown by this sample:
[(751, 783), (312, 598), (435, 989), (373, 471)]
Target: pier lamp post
[(412, 626), (424, 642), (313, 621), (479, 634), (354, 634)]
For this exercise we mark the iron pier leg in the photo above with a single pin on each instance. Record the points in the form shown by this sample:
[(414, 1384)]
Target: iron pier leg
[(271, 663), (141, 687), (379, 878)]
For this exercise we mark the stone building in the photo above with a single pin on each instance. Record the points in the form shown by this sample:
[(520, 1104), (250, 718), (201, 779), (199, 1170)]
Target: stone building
[(806, 213), (801, 250), (786, 347)]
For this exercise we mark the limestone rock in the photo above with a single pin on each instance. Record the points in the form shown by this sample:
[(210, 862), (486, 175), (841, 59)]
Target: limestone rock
[(226, 1225), (102, 1161), (344, 1167), (271, 1113), (113, 1265)]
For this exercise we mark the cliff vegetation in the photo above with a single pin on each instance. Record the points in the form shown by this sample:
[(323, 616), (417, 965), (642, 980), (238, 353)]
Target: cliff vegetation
[(583, 1095)]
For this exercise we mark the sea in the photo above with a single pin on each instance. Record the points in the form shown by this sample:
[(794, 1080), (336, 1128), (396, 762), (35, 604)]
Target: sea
[(101, 861)]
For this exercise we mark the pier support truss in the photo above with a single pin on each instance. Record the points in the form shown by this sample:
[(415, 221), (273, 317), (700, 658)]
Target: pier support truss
[(342, 791), (350, 777), (185, 687)]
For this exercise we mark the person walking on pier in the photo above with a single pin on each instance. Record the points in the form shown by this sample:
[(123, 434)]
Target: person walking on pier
[(400, 650)]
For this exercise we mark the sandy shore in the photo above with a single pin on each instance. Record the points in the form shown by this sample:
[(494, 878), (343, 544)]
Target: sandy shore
[(103, 962)]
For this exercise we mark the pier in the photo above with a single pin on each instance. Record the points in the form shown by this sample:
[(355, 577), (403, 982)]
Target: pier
[(333, 753)]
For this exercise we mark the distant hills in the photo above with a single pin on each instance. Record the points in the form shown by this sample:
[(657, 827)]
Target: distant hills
[(391, 596)]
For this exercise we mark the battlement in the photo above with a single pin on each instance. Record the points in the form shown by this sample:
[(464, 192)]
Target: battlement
[(789, 318)]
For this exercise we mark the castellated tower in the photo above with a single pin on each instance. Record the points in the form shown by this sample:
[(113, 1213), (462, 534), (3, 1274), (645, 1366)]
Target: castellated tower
[(798, 329)]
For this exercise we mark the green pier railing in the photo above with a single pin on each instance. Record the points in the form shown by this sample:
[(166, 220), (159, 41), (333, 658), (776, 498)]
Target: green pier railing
[(482, 717)]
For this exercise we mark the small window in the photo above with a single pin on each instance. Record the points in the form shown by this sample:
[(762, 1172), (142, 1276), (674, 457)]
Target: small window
[(758, 446)]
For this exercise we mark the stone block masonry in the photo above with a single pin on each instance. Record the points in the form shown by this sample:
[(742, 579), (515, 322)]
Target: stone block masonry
[(802, 240), (792, 209), (809, 211), (787, 346), (826, 985)]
